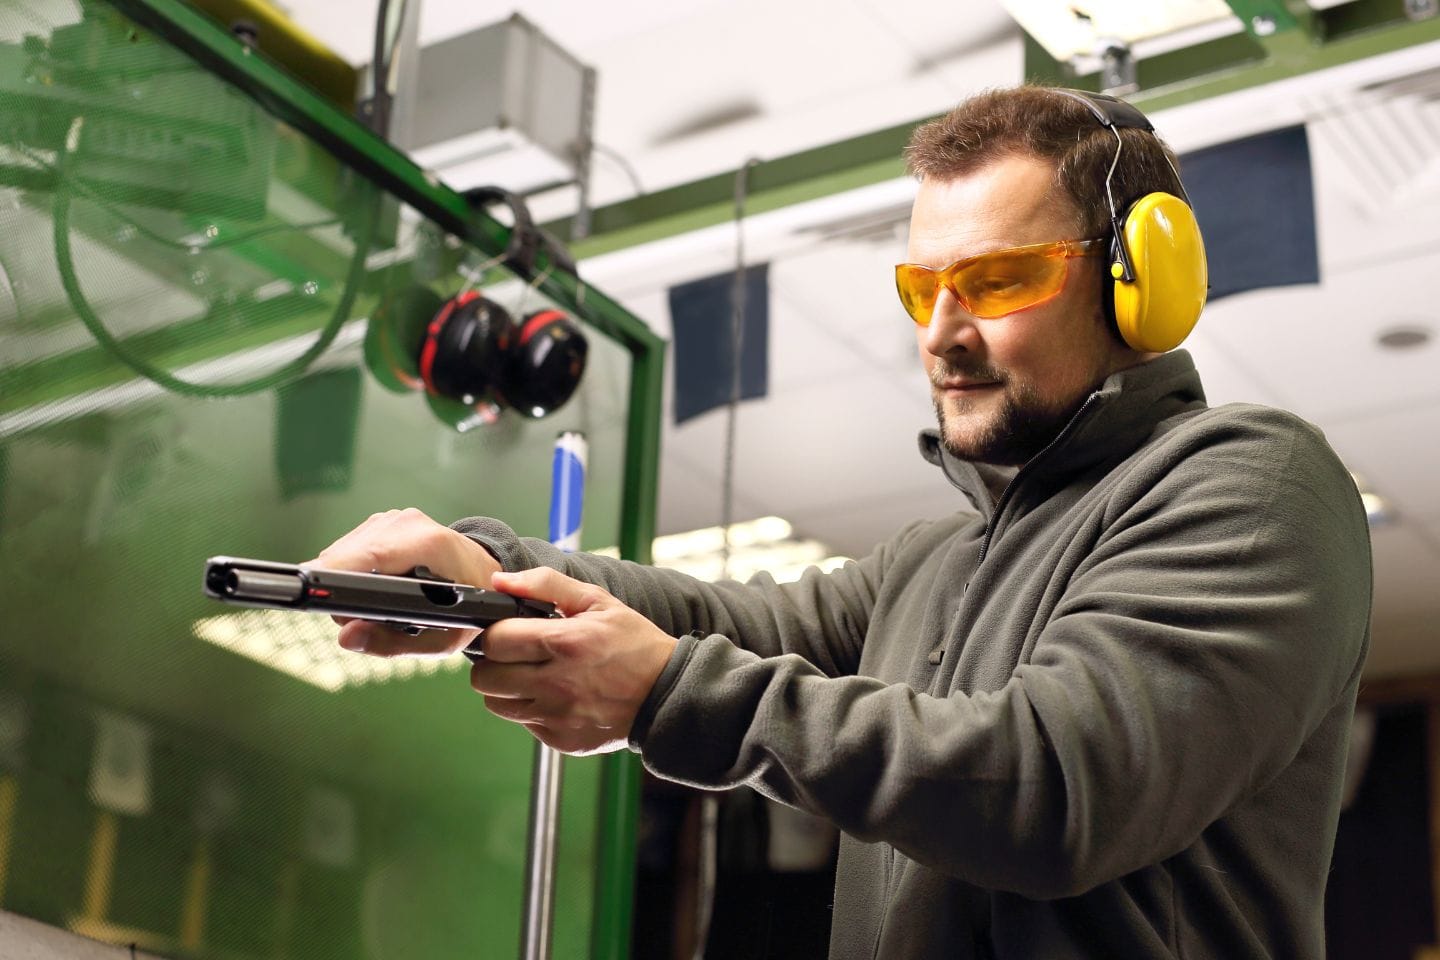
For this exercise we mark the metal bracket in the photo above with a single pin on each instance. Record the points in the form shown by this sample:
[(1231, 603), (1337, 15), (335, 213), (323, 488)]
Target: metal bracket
[(1118, 71)]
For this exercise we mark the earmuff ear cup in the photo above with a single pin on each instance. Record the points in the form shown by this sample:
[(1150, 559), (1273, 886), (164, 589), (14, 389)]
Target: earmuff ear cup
[(1157, 311), (545, 364), (395, 333), (465, 347)]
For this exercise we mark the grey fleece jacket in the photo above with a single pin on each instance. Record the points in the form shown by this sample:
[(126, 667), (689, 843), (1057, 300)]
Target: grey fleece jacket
[(1103, 716)]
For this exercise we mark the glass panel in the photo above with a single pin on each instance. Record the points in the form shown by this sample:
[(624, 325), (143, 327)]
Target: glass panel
[(184, 373)]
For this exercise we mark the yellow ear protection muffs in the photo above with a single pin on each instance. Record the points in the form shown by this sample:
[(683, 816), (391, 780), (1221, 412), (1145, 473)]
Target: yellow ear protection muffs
[(467, 353), (1157, 257)]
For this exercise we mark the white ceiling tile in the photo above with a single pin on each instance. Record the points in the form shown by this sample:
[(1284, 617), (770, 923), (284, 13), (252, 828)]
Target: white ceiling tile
[(691, 494), (854, 529), (1227, 378), (1315, 347), (1398, 454), (848, 290), (802, 351)]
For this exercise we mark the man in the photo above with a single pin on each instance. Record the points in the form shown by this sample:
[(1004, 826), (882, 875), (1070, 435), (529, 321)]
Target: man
[(1103, 713)]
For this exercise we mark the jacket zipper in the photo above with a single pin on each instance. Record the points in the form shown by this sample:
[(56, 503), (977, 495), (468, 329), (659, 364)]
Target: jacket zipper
[(1019, 474), (890, 862)]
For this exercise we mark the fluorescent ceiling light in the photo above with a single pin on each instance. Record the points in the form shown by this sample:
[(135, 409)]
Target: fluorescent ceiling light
[(1377, 508), (303, 645), (763, 545), (1082, 28)]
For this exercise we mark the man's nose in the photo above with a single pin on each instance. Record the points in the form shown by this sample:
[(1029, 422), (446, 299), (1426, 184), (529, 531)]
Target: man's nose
[(951, 327)]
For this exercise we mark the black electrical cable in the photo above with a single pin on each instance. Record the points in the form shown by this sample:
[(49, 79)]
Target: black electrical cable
[(64, 262), (737, 343), (623, 164), (710, 804), (382, 56)]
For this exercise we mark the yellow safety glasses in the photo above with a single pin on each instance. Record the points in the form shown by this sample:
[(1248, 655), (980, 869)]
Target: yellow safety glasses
[(993, 284)]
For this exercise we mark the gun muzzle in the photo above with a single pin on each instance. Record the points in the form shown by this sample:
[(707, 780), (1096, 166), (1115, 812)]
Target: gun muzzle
[(251, 585)]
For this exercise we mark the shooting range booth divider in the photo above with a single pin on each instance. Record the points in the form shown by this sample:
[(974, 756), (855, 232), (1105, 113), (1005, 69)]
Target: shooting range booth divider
[(192, 242)]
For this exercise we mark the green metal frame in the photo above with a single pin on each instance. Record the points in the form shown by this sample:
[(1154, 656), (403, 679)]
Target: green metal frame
[(1304, 41), (297, 105)]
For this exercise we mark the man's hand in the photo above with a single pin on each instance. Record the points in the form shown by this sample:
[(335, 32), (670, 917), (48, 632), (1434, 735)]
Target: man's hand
[(396, 542), (575, 683)]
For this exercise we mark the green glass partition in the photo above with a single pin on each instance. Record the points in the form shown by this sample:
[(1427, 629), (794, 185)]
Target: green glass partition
[(191, 251)]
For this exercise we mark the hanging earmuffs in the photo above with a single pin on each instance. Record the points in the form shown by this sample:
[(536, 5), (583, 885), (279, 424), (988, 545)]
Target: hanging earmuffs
[(467, 352)]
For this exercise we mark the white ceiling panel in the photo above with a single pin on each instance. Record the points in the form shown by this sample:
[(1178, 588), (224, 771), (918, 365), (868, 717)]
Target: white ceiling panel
[(1315, 346), (847, 290), (1398, 454), (1227, 378), (803, 353)]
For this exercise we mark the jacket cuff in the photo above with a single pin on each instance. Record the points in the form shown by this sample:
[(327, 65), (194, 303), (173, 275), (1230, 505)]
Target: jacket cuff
[(664, 683), (496, 537)]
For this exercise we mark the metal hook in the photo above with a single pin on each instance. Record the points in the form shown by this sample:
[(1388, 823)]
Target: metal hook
[(473, 275)]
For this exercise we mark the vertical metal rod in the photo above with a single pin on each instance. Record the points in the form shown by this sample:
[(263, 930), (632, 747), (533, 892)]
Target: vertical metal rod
[(538, 921), (567, 490)]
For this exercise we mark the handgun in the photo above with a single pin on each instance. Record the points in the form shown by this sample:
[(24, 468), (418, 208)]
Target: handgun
[(410, 603)]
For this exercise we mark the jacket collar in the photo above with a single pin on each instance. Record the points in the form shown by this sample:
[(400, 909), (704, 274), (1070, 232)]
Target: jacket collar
[(1115, 420)]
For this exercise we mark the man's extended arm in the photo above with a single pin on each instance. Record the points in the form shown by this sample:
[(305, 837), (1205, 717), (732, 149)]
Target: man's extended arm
[(822, 618)]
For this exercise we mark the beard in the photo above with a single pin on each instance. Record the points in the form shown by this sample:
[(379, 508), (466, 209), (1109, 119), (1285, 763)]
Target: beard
[(1021, 426)]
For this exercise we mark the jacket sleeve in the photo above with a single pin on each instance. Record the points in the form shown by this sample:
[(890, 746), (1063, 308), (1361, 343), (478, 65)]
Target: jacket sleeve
[(821, 619), (1220, 616)]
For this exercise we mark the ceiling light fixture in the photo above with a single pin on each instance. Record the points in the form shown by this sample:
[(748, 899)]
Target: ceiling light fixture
[(1405, 336), (303, 645), (766, 544), (1377, 508), (1084, 29)]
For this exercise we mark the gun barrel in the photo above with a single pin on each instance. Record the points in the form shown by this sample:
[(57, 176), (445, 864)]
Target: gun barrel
[(252, 585)]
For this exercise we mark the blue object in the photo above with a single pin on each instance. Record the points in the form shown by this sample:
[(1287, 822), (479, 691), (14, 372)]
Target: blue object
[(701, 314), (567, 490), (1255, 201)]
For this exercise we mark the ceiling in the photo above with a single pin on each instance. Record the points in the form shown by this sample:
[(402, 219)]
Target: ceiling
[(690, 89)]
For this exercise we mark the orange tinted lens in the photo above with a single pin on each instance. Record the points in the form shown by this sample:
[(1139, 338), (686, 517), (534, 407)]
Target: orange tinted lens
[(917, 286), (1001, 283)]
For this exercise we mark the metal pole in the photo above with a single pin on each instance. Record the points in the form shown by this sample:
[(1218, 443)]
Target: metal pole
[(540, 854), (566, 495)]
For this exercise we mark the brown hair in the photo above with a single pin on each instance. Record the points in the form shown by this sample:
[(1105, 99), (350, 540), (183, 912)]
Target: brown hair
[(1036, 121)]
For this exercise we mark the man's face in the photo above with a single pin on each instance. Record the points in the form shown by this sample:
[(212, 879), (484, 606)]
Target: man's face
[(1005, 387)]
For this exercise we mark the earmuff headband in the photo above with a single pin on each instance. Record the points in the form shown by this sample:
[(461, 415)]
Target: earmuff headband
[(1157, 253), (1115, 114)]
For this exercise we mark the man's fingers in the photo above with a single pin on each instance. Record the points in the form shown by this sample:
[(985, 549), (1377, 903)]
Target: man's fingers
[(513, 681), (397, 541), (378, 640), (570, 596), (524, 639), (517, 711)]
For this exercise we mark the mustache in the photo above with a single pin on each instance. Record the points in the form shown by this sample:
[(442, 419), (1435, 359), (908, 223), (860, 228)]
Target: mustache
[(944, 370)]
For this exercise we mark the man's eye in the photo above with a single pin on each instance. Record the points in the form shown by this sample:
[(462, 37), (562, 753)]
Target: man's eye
[(998, 285)]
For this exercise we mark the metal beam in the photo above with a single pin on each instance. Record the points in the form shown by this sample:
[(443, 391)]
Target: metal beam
[(1265, 18), (1354, 31)]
